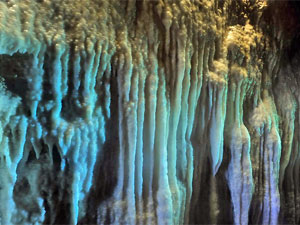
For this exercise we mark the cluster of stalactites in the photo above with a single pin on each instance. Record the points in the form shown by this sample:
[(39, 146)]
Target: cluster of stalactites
[(172, 100)]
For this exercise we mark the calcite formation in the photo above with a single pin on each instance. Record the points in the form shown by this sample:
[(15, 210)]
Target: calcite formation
[(149, 112)]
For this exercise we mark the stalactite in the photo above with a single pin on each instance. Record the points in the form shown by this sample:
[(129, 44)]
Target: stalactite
[(147, 112)]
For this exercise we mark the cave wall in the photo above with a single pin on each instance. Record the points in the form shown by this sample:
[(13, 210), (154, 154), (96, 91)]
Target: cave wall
[(149, 112)]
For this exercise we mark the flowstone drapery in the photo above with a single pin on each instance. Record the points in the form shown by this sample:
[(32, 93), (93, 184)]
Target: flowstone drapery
[(149, 112)]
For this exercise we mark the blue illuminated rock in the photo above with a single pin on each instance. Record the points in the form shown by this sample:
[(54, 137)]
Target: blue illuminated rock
[(148, 112)]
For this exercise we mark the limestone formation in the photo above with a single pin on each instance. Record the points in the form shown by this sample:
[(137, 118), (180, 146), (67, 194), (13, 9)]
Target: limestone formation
[(149, 112)]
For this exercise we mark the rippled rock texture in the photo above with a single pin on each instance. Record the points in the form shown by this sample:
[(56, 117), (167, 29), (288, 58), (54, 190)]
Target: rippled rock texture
[(149, 112)]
